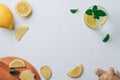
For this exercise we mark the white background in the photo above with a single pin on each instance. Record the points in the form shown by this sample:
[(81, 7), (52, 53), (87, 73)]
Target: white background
[(61, 40)]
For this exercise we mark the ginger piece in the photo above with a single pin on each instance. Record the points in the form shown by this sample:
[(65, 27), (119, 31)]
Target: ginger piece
[(111, 74)]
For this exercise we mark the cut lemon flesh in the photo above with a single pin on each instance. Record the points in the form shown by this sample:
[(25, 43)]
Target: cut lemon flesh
[(27, 75), (20, 31), (23, 8), (17, 63), (46, 72), (92, 23), (76, 72)]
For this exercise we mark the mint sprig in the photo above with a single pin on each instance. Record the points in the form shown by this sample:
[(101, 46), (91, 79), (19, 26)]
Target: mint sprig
[(97, 13), (95, 8)]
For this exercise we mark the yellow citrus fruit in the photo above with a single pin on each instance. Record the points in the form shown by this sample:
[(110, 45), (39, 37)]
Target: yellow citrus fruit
[(20, 31), (76, 72), (46, 72), (6, 17), (23, 8), (17, 63), (92, 23), (27, 75)]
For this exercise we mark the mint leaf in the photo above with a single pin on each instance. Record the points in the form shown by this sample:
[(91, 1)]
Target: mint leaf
[(96, 17), (95, 8), (14, 72), (101, 13), (73, 10), (89, 12), (106, 38)]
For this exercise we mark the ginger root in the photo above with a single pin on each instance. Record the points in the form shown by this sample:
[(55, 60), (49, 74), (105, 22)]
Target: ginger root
[(111, 74)]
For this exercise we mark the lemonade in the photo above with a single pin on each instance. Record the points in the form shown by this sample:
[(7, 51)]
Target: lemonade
[(95, 17)]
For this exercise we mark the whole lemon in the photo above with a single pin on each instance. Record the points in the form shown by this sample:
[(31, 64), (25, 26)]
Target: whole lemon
[(6, 17)]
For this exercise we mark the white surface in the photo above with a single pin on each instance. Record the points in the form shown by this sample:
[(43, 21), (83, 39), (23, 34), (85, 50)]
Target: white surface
[(61, 40)]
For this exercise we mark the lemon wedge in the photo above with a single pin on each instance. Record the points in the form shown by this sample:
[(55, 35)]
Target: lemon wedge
[(76, 72), (92, 23), (6, 17), (20, 31), (27, 75), (46, 72), (17, 63), (23, 8)]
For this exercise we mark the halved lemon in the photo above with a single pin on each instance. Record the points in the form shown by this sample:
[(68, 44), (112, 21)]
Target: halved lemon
[(20, 31), (46, 72), (27, 75), (23, 8), (17, 63), (92, 23), (6, 17), (76, 72)]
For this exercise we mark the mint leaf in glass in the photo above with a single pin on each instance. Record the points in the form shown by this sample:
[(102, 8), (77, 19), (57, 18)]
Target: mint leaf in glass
[(101, 13), (106, 38), (73, 10), (89, 12), (95, 8), (96, 17)]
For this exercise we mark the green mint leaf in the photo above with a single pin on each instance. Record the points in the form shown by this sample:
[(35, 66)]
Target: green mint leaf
[(106, 38), (73, 10), (101, 13), (89, 12), (96, 17), (14, 72), (95, 8)]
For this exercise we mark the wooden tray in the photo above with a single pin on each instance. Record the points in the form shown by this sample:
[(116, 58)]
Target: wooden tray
[(4, 69)]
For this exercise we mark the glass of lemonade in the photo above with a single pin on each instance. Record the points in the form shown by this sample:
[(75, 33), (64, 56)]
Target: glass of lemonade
[(95, 17)]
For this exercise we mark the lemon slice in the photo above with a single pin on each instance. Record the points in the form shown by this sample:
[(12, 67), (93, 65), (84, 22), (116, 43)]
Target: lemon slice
[(27, 75), (46, 72), (76, 72), (20, 31), (91, 22), (17, 63), (23, 8)]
